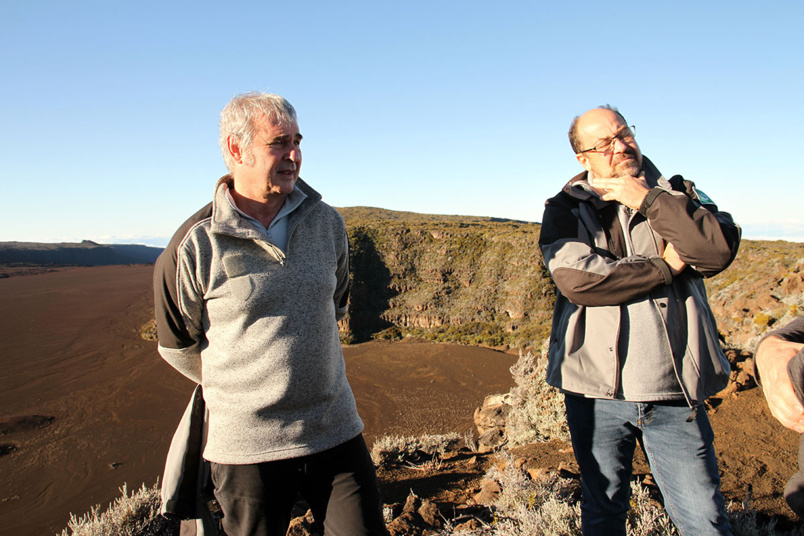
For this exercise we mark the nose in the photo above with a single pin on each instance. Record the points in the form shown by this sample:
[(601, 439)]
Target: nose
[(618, 145), (294, 154)]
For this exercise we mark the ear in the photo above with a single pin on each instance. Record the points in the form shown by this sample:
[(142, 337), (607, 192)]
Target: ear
[(584, 161), (234, 150)]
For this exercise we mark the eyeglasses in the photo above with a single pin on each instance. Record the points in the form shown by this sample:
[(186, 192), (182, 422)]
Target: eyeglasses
[(626, 136)]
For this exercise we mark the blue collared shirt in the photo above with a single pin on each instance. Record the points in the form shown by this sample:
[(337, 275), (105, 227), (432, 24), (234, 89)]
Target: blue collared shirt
[(277, 232)]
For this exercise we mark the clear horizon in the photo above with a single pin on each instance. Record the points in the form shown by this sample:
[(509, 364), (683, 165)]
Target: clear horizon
[(110, 110)]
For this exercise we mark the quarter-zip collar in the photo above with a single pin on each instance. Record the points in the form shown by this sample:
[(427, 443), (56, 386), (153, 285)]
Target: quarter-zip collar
[(224, 214)]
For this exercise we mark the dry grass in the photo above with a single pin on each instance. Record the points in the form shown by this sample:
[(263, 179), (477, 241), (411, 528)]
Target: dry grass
[(390, 451), (537, 409), (130, 515)]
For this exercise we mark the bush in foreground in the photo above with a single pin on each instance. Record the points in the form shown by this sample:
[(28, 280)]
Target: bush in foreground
[(389, 451), (134, 515), (537, 409)]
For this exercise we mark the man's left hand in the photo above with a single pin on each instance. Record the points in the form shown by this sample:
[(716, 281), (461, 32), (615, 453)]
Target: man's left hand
[(628, 190)]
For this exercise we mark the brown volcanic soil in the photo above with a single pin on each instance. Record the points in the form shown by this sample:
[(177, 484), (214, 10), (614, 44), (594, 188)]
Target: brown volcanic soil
[(71, 352), (86, 404)]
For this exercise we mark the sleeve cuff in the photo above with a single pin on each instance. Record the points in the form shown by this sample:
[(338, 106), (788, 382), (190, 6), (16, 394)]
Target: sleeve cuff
[(667, 275), (649, 199)]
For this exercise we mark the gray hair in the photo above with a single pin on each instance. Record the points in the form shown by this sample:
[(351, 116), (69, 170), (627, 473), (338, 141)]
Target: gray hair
[(238, 117), (573, 131)]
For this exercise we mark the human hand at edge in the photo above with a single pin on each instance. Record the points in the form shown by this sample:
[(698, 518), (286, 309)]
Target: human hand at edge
[(771, 360), (670, 256)]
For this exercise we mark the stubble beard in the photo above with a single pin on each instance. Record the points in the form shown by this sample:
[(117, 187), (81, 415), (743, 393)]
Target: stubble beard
[(630, 167)]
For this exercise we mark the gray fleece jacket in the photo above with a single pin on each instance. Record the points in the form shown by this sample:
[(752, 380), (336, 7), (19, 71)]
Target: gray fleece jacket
[(623, 326), (257, 327)]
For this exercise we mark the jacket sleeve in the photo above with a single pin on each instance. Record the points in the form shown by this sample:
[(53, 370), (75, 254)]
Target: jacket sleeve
[(587, 274), (180, 334), (704, 237), (344, 281), (792, 332)]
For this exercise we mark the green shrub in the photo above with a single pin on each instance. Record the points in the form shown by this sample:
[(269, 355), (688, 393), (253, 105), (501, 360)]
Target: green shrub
[(389, 334)]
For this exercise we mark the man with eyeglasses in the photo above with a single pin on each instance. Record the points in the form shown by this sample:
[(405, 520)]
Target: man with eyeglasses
[(634, 345)]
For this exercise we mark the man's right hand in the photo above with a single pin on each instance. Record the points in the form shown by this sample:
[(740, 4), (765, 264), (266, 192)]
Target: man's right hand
[(670, 256), (771, 360), (627, 190)]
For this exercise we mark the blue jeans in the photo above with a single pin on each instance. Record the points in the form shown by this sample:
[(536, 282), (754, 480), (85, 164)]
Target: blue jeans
[(680, 453)]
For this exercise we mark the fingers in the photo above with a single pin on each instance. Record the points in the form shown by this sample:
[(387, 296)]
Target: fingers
[(609, 183), (630, 191), (670, 256), (771, 360), (785, 407)]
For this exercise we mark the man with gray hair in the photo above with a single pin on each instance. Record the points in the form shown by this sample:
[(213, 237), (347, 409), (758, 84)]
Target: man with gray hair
[(634, 345), (247, 296)]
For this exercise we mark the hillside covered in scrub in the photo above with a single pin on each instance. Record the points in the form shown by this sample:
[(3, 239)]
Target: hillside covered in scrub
[(446, 278), (483, 281)]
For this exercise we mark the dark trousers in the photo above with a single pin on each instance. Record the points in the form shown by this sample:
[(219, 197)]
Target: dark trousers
[(339, 484)]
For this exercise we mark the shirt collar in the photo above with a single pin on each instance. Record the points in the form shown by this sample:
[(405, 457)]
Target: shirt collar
[(292, 202)]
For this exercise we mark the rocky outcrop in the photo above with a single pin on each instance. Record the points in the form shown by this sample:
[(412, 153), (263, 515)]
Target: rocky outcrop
[(490, 420)]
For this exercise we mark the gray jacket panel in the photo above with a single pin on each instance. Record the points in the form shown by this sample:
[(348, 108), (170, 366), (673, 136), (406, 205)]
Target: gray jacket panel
[(608, 268)]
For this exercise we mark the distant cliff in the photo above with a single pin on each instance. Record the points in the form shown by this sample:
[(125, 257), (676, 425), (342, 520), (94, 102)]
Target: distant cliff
[(85, 253), (483, 281), (447, 278)]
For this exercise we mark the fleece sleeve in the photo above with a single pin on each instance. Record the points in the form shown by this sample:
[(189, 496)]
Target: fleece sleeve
[(180, 338)]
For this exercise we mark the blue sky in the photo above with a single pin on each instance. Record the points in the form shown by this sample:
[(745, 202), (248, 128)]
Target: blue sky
[(109, 110)]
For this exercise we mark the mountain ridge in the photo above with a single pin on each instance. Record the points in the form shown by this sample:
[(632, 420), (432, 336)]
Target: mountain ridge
[(84, 253)]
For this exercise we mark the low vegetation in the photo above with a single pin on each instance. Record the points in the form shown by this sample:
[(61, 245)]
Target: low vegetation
[(548, 506), (537, 409), (390, 451), (477, 281), (130, 515)]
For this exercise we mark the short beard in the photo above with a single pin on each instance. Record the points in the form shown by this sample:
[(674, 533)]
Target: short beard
[(632, 169)]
